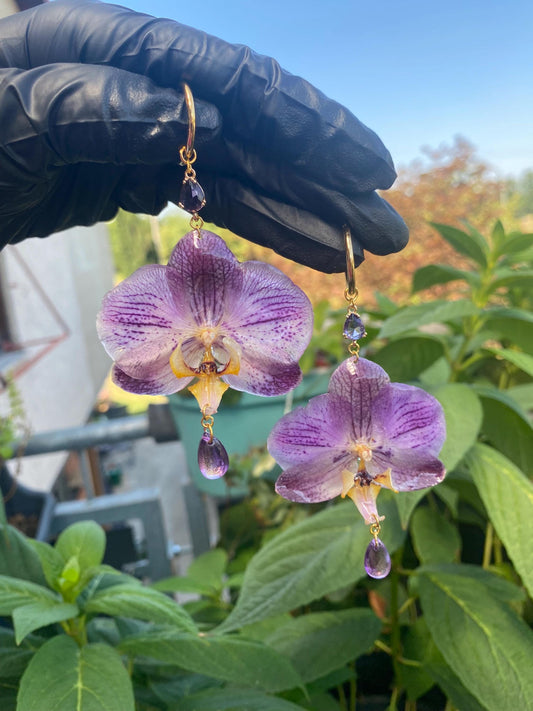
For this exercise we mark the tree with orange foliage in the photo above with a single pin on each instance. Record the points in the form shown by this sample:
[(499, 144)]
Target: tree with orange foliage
[(451, 186)]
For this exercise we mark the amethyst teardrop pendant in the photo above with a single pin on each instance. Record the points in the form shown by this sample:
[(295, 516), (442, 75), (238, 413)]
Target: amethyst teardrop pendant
[(213, 459), (192, 196), (377, 559)]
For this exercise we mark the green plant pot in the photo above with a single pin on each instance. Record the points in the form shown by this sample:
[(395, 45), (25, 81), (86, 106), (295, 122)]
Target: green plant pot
[(240, 426)]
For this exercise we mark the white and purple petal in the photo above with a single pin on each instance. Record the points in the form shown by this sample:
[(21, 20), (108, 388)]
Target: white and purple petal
[(270, 316), (410, 469), (359, 383), (261, 376), (162, 383), (319, 479), (406, 417), (209, 276), (141, 320), (307, 432)]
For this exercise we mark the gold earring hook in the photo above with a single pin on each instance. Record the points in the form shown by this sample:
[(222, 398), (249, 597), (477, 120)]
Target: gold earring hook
[(191, 113), (351, 291)]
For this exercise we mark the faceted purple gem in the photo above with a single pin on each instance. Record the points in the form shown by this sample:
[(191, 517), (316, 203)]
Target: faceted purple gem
[(212, 457), (354, 328), (377, 559), (192, 196)]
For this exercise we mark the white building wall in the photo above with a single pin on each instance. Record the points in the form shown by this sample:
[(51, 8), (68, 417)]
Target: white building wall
[(53, 289)]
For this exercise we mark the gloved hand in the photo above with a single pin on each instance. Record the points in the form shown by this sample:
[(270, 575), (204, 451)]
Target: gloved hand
[(92, 119)]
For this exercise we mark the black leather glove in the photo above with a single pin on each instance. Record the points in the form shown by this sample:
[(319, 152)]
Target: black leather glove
[(92, 119)]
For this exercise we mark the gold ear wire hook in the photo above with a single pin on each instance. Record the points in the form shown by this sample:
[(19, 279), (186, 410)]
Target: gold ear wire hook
[(351, 290), (190, 153)]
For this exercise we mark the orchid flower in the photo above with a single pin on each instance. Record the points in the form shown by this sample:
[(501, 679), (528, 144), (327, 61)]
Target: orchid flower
[(206, 317), (365, 433)]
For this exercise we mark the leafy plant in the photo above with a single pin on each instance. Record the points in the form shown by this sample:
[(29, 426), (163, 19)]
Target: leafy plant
[(301, 626)]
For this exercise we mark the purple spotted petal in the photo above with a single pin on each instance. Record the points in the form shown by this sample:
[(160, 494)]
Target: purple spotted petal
[(308, 432), (408, 418), (317, 480), (271, 315), (359, 383), (410, 469), (141, 320), (209, 276), (164, 383), (262, 376)]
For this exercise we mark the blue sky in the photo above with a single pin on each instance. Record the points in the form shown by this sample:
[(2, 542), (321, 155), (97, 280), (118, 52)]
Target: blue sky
[(418, 73)]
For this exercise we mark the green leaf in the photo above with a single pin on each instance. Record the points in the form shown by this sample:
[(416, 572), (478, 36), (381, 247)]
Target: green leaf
[(182, 584), (497, 234), (435, 539), (506, 427), (515, 243), (139, 603), (14, 593), (486, 645), (406, 358), (523, 396), (209, 568), (308, 560), (18, 557), (413, 317), (498, 586), (52, 562), (521, 360), (407, 502), (32, 617), (85, 541), (433, 274), (512, 280), (308, 640), (455, 691), (229, 658), (513, 324), (470, 244), (464, 414), (417, 646), (235, 700), (14, 658), (508, 498), (65, 677)]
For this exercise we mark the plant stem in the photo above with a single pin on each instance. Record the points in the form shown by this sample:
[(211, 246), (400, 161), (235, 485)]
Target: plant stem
[(342, 698), (353, 694), (487, 550), (393, 706)]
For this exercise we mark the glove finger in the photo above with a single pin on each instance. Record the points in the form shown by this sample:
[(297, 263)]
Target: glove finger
[(280, 114), (378, 227), (62, 114)]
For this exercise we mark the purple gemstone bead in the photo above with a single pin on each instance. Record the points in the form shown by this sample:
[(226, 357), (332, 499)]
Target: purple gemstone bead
[(354, 328), (212, 457), (377, 559), (192, 196)]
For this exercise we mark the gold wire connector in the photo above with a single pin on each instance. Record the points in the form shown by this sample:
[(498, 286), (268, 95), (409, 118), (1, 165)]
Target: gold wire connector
[(375, 528), (207, 423), (192, 197), (351, 292)]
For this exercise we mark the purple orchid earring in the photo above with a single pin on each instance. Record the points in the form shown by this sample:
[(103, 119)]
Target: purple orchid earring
[(365, 433), (205, 317)]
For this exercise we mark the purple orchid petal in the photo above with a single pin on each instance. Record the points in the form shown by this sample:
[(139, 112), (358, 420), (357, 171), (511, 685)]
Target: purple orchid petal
[(164, 383), (317, 480), (359, 383), (262, 376), (271, 315), (410, 469), (307, 432), (209, 276), (407, 417), (141, 320)]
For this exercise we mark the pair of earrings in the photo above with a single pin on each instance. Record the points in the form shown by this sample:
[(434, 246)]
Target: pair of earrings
[(208, 322)]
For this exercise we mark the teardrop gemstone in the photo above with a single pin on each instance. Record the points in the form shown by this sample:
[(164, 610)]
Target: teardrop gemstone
[(192, 196), (354, 328), (377, 559), (212, 457)]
